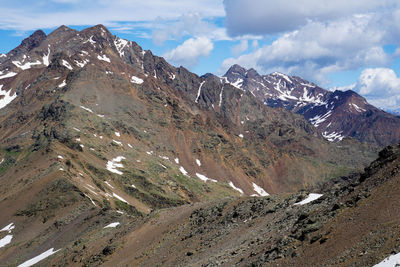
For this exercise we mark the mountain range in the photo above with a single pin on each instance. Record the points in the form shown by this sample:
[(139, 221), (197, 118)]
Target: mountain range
[(101, 141), (336, 115)]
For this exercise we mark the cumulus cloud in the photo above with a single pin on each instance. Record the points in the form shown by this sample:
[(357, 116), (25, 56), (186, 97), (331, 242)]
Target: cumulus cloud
[(275, 16), (254, 44), (192, 24), (189, 53), (240, 47), (380, 86), (318, 49), (378, 82)]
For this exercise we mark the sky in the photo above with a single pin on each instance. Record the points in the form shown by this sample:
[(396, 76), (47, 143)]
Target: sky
[(341, 44)]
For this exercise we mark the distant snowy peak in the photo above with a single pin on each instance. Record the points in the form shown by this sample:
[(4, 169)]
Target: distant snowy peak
[(335, 114)]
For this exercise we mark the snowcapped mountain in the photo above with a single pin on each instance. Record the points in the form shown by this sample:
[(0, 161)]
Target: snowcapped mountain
[(335, 114)]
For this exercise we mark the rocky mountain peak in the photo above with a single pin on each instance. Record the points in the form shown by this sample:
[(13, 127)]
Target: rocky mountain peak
[(98, 32), (34, 40), (252, 72), (235, 70), (62, 31)]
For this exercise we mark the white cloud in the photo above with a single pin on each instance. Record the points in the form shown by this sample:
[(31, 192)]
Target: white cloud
[(254, 44), (192, 24), (274, 16), (380, 86), (240, 47), (17, 15), (378, 82), (318, 49), (189, 53)]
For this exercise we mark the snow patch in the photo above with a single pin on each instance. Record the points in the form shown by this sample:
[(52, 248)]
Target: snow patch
[(5, 240), (61, 85), (91, 200), (317, 120), (199, 92), (183, 171), (107, 183), (27, 65), (136, 80), (46, 60), (311, 99), (117, 142), (90, 40), (311, 197), (358, 108), (82, 64), (120, 45), (283, 76), (91, 191), (238, 83), (332, 137), (114, 164), (241, 135), (7, 97), (176, 160), (120, 198), (104, 58), (236, 188), (391, 261), (117, 134), (205, 178), (8, 228), (66, 64), (220, 97), (112, 225), (260, 190), (198, 162), (38, 258), (8, 75)]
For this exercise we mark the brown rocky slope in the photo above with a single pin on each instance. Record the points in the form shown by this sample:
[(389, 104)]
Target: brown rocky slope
[(100, 131)]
